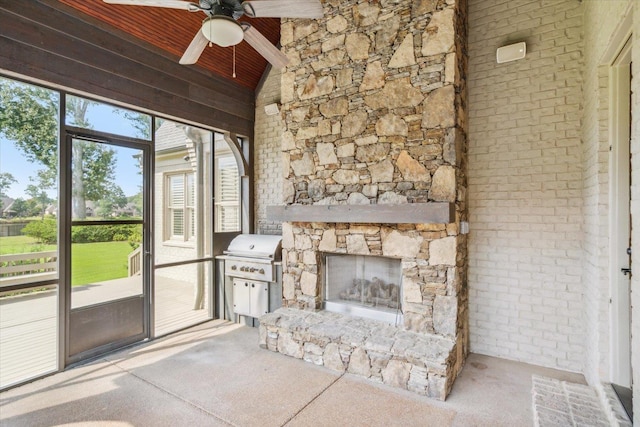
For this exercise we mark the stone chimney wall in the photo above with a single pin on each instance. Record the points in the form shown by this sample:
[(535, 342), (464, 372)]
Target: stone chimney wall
[(374, 108)]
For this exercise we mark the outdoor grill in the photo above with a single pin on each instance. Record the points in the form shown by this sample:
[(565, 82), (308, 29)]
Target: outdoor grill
[(252, 266)]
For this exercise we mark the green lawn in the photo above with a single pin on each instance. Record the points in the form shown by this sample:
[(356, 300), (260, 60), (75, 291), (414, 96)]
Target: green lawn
[(22, 244), (95, 262), (90, 262)]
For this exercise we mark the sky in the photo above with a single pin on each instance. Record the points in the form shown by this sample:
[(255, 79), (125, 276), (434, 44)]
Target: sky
[(102, 117)]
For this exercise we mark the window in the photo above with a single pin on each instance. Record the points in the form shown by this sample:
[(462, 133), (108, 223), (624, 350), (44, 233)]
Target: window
[(180, 206), (227, 201), (90, 114)]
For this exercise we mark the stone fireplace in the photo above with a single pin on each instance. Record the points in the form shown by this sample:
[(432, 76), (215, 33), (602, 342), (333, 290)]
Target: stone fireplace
[(374, 148)]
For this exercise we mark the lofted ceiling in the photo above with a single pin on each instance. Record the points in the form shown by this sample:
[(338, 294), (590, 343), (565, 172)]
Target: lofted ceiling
[(172, 30)]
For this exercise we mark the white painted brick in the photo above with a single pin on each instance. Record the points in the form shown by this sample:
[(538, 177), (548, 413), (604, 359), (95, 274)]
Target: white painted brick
[(267, 140), (524, 144), (522, 128)]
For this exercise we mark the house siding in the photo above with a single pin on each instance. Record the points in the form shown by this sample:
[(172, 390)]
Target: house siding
[(525, 183)]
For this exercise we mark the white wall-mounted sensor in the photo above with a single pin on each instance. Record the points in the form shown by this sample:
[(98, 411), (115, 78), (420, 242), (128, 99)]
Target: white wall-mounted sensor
[(464, 227), (271, 109), (511, 52)]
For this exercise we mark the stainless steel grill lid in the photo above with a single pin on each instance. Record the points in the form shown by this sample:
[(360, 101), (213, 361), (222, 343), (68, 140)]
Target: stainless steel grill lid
[(256, 246)]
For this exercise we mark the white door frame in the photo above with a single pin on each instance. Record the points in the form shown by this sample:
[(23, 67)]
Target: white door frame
[(619, 224)]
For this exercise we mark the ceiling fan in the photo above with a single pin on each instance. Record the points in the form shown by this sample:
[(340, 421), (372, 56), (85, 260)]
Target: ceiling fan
[(221, 26)]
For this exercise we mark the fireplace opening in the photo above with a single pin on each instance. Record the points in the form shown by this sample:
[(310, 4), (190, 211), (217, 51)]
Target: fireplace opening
[(364, 286)]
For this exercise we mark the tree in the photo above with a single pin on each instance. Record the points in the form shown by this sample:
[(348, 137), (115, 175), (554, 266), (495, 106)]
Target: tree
[(6, 180), (92, 174), (29, 118), (40, 197), (140, 121), (115, 199), (20, 208), (136, 200)]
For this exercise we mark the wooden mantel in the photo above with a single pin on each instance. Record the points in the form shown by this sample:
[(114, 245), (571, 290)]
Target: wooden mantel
[(406, 213)]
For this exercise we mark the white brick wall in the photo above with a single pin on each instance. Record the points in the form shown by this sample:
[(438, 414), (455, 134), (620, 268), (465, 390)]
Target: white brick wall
[(525, 182), (268, 155)]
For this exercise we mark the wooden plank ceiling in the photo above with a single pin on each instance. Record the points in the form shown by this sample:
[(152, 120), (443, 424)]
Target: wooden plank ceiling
[(172, 30)]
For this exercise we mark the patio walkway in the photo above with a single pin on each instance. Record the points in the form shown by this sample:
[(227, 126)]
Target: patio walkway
[(215, 374)]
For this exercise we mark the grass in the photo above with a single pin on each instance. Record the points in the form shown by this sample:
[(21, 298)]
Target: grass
[(22, 244), (96, 262), (90, 262)]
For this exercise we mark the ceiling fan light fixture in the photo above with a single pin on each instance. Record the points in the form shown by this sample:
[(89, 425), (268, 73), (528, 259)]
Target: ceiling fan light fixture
[(222, 30)]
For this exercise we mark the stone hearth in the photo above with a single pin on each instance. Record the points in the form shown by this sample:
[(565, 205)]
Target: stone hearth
[(417, 362), (373, 103)]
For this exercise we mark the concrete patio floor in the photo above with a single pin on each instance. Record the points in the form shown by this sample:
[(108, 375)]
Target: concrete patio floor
[(216, 374)]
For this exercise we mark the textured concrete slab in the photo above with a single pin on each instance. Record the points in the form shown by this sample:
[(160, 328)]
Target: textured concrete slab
[(354, 401), (497, 392), (229, 375), (97, 394)]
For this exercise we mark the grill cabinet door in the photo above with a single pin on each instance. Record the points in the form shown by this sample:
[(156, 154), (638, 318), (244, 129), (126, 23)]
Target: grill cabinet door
[(242, 297), (259, 298)]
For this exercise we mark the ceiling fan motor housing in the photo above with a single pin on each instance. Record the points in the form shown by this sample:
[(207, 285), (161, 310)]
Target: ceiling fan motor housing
[(231, 8)]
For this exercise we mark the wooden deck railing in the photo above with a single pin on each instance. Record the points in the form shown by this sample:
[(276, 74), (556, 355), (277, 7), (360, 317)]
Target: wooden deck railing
[(135, 262), (16, 269)]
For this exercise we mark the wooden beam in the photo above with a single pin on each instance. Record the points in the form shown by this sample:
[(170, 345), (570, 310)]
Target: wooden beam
[(407, 213)]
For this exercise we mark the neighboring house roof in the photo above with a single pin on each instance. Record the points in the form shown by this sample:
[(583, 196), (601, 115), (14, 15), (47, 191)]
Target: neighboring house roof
[(51, 209), (5, 203), (129, 208)]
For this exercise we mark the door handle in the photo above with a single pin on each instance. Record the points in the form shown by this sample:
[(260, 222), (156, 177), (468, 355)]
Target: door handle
[(626, 271)]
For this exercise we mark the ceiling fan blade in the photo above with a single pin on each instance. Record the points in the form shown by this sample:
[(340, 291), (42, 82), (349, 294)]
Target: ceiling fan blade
[(283, 8), (264, 47), (195, 49), (172, 4)]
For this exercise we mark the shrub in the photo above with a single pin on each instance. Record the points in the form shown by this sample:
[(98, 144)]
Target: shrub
[(102, 233), (135, 238), (44, 231)]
